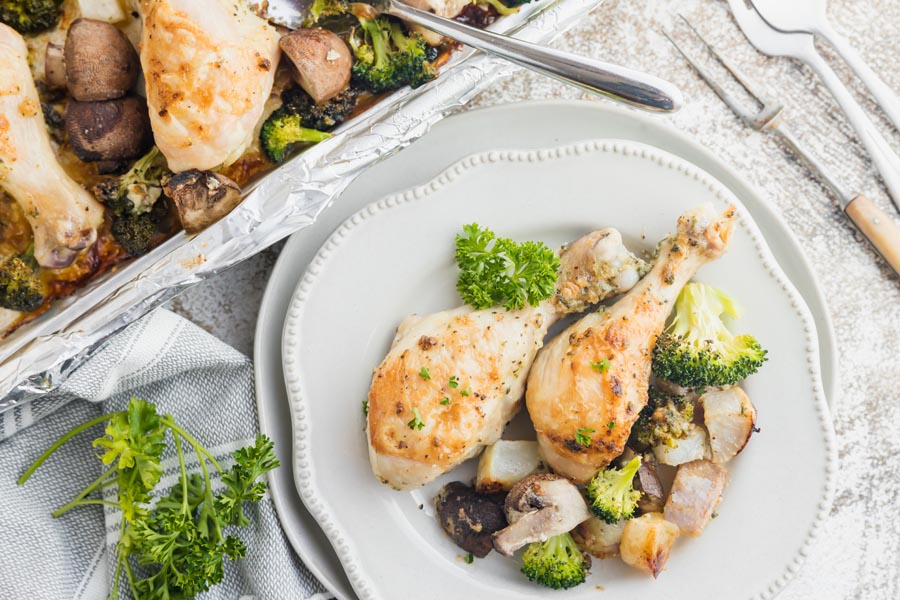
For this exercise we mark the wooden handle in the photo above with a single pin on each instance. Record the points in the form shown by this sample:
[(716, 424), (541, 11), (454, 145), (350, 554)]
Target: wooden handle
[(878, 228)]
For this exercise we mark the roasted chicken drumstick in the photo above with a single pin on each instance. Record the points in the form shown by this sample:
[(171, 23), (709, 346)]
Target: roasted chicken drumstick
[(63, 216), (588, 384), (453, 379)]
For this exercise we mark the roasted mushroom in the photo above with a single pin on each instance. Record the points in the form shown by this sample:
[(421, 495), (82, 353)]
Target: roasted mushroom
[(696, 491), (202, 198), (101, 64), (109, 131), (653, 496), (321, 61), (469, 518), (539, 507)]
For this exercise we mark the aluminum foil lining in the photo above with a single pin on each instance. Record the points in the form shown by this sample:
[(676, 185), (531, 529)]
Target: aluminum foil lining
[(39, 356)]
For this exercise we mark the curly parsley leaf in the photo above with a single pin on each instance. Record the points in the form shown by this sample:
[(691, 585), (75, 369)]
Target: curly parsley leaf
[(500, 271)]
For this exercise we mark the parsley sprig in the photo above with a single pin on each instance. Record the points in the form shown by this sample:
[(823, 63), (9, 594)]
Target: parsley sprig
[(500, 271), (179, 545)]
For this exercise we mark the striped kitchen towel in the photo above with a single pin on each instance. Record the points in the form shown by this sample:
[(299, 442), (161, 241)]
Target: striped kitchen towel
[(208, 387)]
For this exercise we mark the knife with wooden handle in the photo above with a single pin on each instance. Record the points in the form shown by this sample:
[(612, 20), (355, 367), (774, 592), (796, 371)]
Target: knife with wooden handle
[(875, 225), (878, 227)]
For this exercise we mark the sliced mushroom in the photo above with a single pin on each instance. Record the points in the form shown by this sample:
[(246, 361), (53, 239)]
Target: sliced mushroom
[(730, 418), (653, 496), (696, 491), (469, 518), (647, 541), (599, 538), (504, 463), (55, 67), (538, 508), (101, 64), (202, 198), (321, 61), (110, 130)]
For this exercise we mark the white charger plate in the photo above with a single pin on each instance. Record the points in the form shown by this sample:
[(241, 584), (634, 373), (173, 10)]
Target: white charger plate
[(395, 257), (532, 124)]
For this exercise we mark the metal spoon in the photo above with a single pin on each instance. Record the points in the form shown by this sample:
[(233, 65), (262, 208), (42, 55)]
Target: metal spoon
[(810, 16), (612, 81)]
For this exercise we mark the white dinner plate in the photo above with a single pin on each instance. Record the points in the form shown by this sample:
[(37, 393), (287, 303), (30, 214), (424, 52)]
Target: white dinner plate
[(548, 123), (394, 257)]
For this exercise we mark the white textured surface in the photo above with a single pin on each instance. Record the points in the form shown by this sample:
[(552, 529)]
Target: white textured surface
[(857, 554)]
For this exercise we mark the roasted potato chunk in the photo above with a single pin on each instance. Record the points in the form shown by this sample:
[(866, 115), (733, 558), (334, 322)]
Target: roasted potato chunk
[(696, 491), (730, 418), (504, 463), (646, 542)]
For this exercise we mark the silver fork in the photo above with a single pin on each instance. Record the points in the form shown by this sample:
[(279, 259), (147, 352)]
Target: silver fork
[(875, 225)]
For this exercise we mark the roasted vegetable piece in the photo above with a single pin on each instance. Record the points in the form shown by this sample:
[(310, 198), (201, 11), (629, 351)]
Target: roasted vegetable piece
[(697, 349), (101, 64), (387, 56), (30, 16), (556, 563), (696, 491), (20, 287), (469, 518), (133, 201), (324, 116), (109, 130), (611, 494), (504, 463), (729, 417), (320, 9), (646, 542), (666, 419), (321, 60), (283, 130), (599, 538), (539, 507), (202, 197)]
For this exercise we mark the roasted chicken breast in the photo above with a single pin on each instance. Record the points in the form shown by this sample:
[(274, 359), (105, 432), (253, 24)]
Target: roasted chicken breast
[(209, 67), (453, 379)]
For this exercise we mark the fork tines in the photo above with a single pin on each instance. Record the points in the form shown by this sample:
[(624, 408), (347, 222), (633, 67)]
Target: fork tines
[(757, 119)]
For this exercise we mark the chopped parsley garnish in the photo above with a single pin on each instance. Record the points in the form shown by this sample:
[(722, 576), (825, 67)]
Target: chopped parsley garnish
[(466, 392), (583, 436), (611, 425), (469, 558), (424, 374), (500, 271), (445, 401), (365, 405), (454, 382), (601, 366), (416, 422)]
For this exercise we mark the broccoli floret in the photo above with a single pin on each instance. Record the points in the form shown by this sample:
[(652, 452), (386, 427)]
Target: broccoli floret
[(133, 202), (697, 349), (323, 116), (556, 563), (387, 57), (611, 494), (30, 16), (324, 8), (666, 419), (20, 285), (503, 8), (283, 130)]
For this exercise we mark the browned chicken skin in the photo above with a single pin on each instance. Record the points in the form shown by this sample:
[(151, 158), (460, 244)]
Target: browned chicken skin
[(593, 378), (461, 372)]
